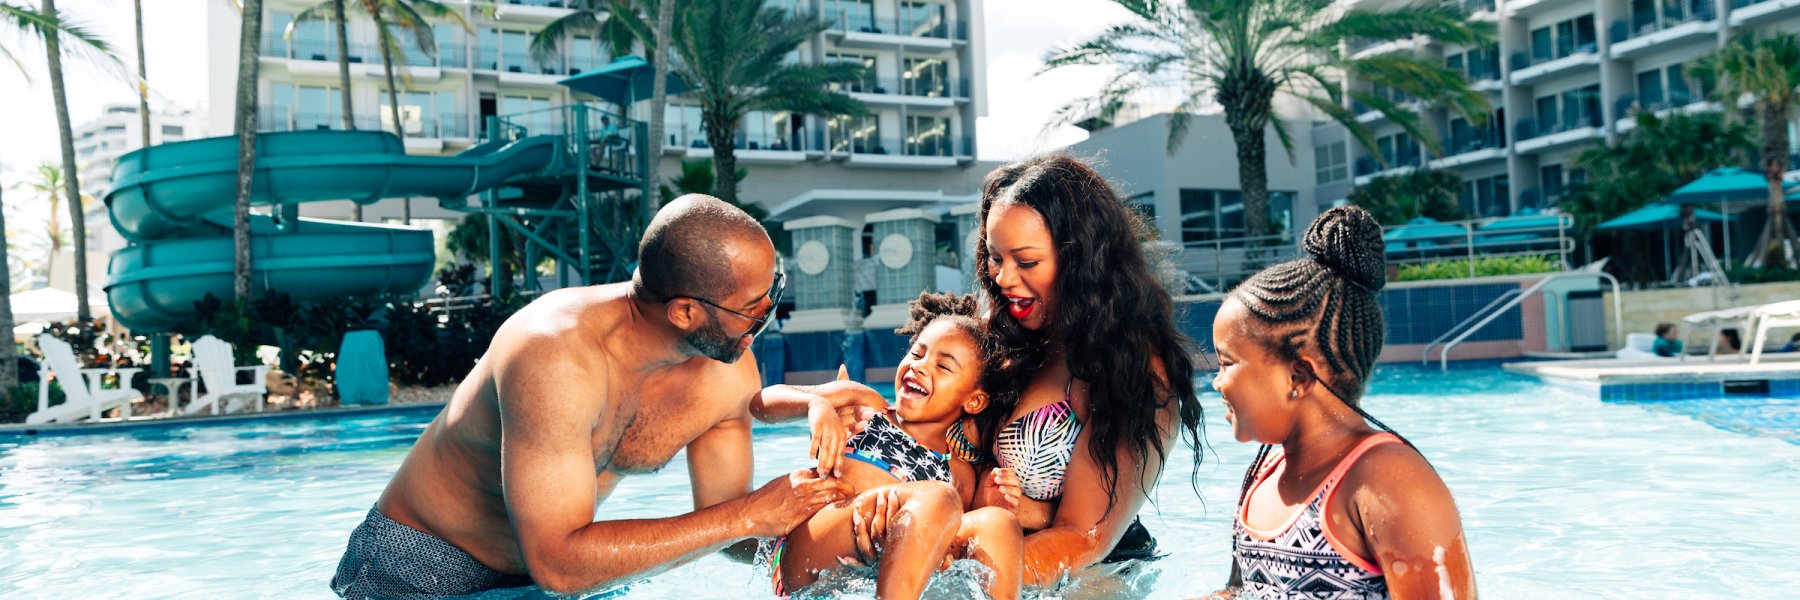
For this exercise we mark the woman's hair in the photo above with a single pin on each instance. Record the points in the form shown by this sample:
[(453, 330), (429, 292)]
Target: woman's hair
[(1113, 319), (961, 311), (1663, 329), (1326, 304)]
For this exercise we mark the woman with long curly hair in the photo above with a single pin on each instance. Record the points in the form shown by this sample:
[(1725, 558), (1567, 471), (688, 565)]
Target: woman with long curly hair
[(1094, 378)]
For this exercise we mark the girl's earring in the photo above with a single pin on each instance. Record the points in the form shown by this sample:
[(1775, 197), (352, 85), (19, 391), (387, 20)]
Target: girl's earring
[(1295, 393)]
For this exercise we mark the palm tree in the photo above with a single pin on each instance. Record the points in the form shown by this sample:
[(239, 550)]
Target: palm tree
[(143, 82), (1244, 53), (617, 23), (1396, 199), (413, 18), (49, 184), (333, 10), (9, 355), (1766, 69), (71, 179), (734, 52), (245, 119)]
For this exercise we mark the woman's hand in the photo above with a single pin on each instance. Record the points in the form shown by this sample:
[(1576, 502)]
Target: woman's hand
[(1006, 490)]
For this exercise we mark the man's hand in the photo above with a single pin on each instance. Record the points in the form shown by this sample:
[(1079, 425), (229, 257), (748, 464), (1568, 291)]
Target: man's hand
[(784, 503), (870, 515), (854, 402)]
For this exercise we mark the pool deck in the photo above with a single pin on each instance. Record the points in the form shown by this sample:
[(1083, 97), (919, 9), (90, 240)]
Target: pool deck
[(1663, 379), (17, 430)]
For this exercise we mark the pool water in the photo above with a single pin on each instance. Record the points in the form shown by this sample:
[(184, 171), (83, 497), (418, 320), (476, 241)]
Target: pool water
[(1563, 496)]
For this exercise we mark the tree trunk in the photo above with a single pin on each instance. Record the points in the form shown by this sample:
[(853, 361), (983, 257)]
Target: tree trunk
[(659, 98), (137, 11), (1778, 233), (387, 64), (248, 62), (1248, 99), (721, 134), (71, 179), (9, 357), (343, 44)]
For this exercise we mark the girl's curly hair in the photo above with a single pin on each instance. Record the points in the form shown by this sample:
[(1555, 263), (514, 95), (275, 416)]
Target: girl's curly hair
[(1114, 319), (962, 311)]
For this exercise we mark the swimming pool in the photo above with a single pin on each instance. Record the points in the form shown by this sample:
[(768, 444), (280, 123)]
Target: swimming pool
[(1563, 496)]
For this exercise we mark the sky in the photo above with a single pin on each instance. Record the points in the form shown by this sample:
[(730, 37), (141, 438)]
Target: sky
[(1019, 34)]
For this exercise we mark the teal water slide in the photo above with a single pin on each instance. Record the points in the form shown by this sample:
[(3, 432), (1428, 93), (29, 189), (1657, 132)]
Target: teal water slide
[(174, 203)]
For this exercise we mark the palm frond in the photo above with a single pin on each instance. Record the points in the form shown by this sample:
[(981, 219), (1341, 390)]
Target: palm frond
[(546, 42), (1343, 116)]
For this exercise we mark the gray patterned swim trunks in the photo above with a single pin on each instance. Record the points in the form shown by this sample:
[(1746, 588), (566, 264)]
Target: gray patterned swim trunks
[(390, 561)]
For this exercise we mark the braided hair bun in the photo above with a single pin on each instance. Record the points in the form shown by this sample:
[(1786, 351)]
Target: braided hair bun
[(929, 306), (1347, 240)]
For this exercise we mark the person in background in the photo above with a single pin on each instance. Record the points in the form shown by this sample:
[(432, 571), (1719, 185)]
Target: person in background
[(1793, 344), (1730, 342), (865, 276), (1668, 342)]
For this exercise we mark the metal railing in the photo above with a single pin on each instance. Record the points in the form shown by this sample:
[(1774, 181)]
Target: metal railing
[(448, 54), (766, 140), (1508, 301), (1524, 60), (1468, 7), (1643, 23), (441, 125), (1479, 138), (929, 27), (1470, 242), (924, 145), (925, 87), (1531, 128)]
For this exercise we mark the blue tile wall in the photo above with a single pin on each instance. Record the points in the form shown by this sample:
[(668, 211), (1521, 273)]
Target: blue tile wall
[(1664, 391), (814, 351)]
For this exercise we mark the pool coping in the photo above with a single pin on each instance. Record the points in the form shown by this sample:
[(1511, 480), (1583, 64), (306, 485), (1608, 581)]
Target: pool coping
[(21, 430)]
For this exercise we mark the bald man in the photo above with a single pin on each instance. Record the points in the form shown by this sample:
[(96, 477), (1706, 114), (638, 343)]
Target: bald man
[(578, 390)]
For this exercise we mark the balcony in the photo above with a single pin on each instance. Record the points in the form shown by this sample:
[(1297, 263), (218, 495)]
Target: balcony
[(1531, 135), (1368, 115), (1758, 12), (765, 147), (1472, 147), (1367, 168), (1690, 22), (933, 92), (1677, 101), (1528, 69), (926, 151), (1368, 48), (1520, 9), (319, 57), (869, 32), (531, 11)]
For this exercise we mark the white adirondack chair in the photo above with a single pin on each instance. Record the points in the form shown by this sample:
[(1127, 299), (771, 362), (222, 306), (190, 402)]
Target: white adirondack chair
[(85, 398), (213, 367)]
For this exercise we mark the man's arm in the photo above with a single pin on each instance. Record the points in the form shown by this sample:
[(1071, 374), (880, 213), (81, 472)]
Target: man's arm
[(548, 468)]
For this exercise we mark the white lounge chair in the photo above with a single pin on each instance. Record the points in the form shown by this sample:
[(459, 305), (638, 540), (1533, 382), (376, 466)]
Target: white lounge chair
[(213, 366), (86, 399), (1779, 314), (1742, 318), (1638, 346)]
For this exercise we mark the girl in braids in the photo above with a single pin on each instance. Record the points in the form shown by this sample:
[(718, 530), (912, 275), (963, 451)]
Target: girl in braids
[(1332, 507)]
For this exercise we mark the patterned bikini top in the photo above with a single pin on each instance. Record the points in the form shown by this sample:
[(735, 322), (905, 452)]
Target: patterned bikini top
[(887, 446), (1038, 446), (1303, 558)]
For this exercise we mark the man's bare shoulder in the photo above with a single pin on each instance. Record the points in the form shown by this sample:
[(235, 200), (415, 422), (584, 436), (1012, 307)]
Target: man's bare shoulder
[(560, 318)]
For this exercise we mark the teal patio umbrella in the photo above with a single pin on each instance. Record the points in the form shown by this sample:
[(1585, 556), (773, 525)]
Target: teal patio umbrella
[(624, 81), (1659, 216), (1423, 228), (1722, 186)]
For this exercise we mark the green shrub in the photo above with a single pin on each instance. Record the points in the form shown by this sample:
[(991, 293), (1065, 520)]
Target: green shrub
[(21, 400), (1757, 275), (1486, 266)]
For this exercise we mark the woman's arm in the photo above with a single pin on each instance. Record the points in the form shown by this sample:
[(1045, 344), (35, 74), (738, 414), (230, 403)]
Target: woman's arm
[(1410, 525)]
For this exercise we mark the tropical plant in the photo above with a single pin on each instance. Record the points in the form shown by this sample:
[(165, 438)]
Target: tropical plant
[(1396, 199), (9, 358), (1766, 69), (1642, 167), (244, 118), (49, 185), (1243, 54), (86, 47), (1486, 266), (413, 17), (734, 52)]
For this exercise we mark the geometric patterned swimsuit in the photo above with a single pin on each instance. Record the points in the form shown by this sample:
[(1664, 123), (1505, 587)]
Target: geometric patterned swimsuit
[(1303, 558), (1038, 447)]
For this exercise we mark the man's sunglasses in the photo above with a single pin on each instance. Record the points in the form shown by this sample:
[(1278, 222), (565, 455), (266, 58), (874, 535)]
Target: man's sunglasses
[(757, 325)]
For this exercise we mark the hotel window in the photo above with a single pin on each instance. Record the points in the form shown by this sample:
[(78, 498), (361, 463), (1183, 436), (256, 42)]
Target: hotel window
[(487, 55), (860, 135), (1208, 215), (1486, 197), (1550, 178), (869, 83), (532, 113), (922, 19), (852, 15), (1563, 39), (1332, 162), (927, 136), (925, 77)]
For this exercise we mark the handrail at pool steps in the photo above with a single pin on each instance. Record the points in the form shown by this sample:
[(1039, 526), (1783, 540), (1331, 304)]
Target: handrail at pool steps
[(1514, 298)]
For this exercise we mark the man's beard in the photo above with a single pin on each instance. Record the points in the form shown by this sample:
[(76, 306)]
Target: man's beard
[(712, 342)]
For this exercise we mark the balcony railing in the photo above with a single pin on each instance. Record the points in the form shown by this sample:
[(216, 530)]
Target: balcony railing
[(1668, 15), (1744, 3), (445, 125), (522, 62), (1654, 102), (1530, 128), (765, 140), (924, 145), (1468, 7), (846, 22), (926, 87), (1522, 60), (449, 54), (1476, 139)]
